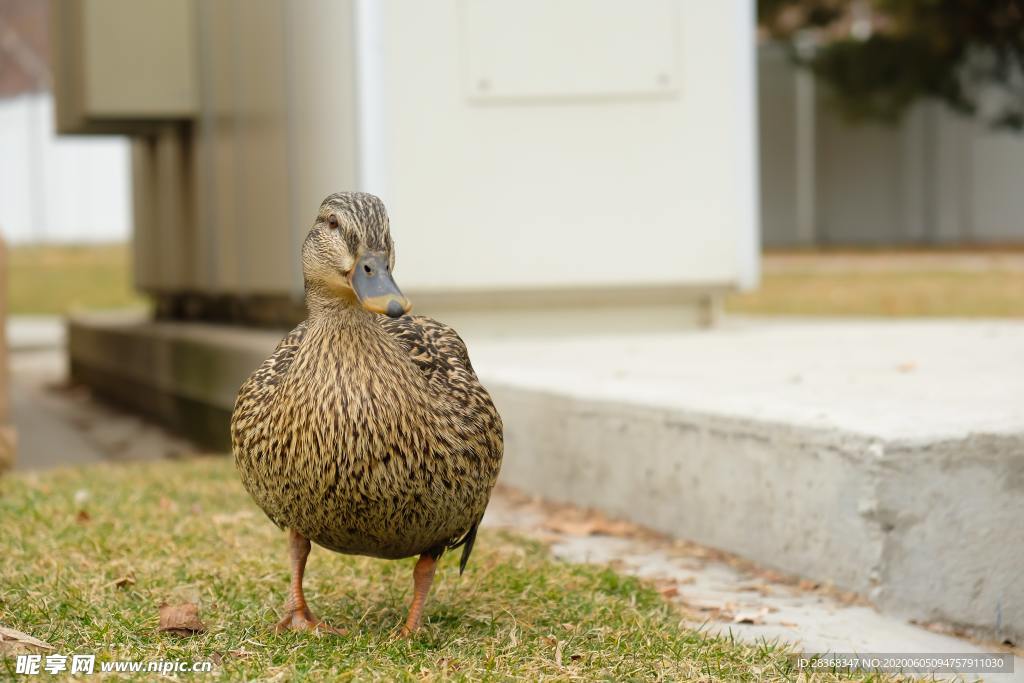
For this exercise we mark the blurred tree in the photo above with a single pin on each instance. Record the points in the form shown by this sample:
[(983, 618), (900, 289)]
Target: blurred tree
[(879, 56)]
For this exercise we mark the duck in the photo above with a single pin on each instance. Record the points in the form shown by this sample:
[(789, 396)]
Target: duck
[(366, 431)]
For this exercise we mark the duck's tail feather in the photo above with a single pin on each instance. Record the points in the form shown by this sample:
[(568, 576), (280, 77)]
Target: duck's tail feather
[(467, 546)]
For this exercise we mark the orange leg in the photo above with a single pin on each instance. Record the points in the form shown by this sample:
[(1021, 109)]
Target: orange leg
[(423, 576), (299, 618)]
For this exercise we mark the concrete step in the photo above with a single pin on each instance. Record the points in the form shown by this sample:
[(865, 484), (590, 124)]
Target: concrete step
[(886, 458), (723, 594)]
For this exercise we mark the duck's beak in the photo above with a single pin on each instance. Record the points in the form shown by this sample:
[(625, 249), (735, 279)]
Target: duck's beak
[(374, 287)]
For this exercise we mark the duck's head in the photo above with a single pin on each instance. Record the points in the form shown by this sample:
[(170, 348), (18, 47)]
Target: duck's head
[(349, 255)]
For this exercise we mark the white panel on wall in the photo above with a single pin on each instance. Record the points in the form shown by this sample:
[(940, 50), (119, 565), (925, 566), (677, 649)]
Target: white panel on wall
[(996, 162), (570, 191), (569, 48), (67, 189)]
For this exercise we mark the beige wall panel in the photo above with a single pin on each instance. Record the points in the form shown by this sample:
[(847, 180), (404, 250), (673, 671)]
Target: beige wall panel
[(66, 51), (144, 199), (175, 223), (261, 202), (216, 140), (139, 58), (270, 147), (321, 95)]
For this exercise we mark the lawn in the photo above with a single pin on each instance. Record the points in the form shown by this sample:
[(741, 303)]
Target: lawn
[(52, 279), (888, 284), (59, 279), (89, 555)]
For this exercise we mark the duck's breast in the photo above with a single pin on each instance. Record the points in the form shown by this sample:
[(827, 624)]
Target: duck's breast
[(361, 461)]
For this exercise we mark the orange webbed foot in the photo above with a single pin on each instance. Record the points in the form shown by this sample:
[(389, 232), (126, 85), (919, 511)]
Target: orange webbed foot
[(303, 620)]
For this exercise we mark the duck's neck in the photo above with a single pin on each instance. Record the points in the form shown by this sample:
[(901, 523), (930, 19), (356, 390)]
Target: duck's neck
[(354, 340), (343, 311)]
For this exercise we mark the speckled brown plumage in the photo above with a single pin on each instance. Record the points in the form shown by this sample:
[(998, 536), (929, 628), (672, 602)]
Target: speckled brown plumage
[(365, 434)]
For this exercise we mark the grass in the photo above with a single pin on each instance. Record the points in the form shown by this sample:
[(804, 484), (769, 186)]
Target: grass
[(56, 279), (59, 279), (186, 531), (869, 284)]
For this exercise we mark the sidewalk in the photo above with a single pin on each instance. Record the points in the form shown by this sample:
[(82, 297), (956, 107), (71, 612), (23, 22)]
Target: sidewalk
[(59, 425)]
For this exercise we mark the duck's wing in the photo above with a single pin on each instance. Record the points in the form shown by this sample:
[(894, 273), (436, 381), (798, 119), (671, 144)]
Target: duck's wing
[(435, 348), (438, 351), (249, 425)]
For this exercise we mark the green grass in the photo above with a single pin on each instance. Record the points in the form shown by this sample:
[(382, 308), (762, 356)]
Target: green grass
[(186, 531), (56, 280)]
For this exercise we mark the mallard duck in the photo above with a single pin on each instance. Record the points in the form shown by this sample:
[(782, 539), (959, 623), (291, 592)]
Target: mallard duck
[(367, 431)]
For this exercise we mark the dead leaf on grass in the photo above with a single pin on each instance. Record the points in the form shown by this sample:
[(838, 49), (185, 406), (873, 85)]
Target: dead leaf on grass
[(713, 611), (669, 591), (587, 523), (448, 664), (571, 527), (15, 642), (124, 581), (848, 597), (181, 620), (773, 577), (83, 517), (751, 617)]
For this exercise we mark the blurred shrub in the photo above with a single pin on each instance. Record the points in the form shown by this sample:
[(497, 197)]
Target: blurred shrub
[(880, 56)]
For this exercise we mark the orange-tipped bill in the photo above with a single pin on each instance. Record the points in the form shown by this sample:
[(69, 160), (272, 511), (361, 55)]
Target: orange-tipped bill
[(375, 288)]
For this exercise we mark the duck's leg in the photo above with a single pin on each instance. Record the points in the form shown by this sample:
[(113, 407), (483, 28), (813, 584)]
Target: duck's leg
[(298, 617), (423, 576)]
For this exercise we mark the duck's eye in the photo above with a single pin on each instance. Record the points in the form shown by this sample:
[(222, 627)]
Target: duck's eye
[(332, 222)]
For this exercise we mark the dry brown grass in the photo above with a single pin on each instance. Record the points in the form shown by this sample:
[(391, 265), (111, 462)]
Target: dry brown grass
[(896, 284), (59, 279)]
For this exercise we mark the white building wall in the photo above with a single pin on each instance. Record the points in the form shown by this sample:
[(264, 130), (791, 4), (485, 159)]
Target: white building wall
[(531, 154), (628, 160), (59, 190)]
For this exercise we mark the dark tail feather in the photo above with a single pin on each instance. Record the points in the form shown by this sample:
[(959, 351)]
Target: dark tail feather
[(467, 546)]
